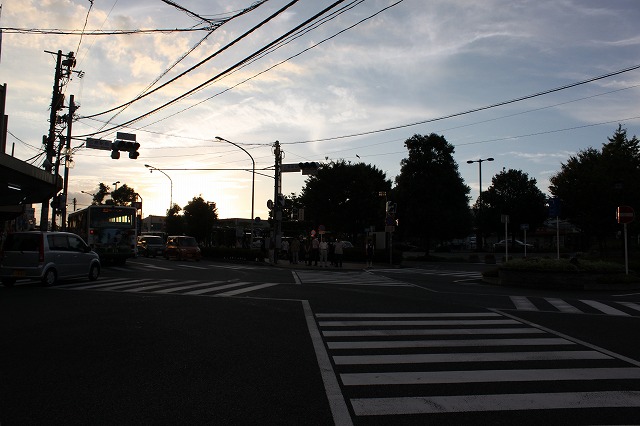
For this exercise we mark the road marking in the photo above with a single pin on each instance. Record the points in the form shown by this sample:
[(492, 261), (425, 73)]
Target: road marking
[(396, 344), (429, 332), (414, 315), (189, 285), (487, 376), (631, 305), (506, 402), (295, 277), (213, 286), (337, 403), (182, 265), (563, 306), (416, 323), (609, 310), (247, 289), (468, 357), (523, 304)]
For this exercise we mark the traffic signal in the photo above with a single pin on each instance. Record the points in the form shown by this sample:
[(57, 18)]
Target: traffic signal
[(310, 168), (391, 207), (122, 145)]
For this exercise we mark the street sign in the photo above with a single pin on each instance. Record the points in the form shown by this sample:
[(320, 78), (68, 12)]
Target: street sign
[(524, 227), (625, 214), (126, 136), (98, 144), (290, 168)]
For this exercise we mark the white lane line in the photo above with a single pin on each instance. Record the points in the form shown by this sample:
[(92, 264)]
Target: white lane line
[(182, 265), (163, 283), (396, 344), (415, 323), (411, 315), (467, 357), (218, 288), (247, 289), (296, 278), (488, 376), (563, 306), (430, 332), (609, 310), (337, 403), (189, 284), (523, 304), (631, 305), (507, 402)]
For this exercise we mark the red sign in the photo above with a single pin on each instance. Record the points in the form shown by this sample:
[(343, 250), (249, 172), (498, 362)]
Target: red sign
[(625, 214)]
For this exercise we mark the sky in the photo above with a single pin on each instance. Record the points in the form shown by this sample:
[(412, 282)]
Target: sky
[(353, 88)]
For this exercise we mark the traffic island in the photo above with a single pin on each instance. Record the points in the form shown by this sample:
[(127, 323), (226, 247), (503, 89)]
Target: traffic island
[(567, 274)]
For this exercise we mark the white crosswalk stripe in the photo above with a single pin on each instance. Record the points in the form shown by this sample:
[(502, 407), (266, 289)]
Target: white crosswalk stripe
[(582, 306), (438, 272), (346, 278), (478, 357), (168, 286)]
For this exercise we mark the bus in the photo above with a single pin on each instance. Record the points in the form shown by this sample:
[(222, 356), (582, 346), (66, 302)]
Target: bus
[(109, 230)]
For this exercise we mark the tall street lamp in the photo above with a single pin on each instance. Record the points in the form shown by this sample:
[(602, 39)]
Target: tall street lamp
[(151, 169), (480, 240), (253, 181), (116, 184)]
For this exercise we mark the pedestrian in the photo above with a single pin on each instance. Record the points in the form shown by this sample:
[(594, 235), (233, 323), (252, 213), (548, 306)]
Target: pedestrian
[(324, 251), (307, 252), (295, 250), (338, 251), (285, 250), (370, 250), (315, 250)]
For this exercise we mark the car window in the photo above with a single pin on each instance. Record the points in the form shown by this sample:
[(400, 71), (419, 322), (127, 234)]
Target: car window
[(76, 244), (154, 240), (188, 242), (22, 242), (58, 242)]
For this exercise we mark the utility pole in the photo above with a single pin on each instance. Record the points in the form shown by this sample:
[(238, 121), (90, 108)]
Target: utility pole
[(67, 158), (277, 208), (48, 140)]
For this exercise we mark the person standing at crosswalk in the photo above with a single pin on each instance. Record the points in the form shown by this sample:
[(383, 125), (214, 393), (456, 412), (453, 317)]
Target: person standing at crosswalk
[(324, 252)]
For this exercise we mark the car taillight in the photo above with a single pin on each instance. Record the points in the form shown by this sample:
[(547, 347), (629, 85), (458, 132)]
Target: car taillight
[(41, 254)]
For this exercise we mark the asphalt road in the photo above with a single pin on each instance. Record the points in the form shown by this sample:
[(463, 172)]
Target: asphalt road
[(166, 342)]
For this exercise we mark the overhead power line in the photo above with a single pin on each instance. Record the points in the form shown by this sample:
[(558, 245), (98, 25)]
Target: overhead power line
[(13, 30), (470, 111)]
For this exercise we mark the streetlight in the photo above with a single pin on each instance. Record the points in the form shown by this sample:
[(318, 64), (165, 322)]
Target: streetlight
[(116, 184), (253, 181), (151, 169), (480, 240), (88, 193)]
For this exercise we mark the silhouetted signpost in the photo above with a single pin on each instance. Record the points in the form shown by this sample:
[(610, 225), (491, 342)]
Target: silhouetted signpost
[(624, 215)]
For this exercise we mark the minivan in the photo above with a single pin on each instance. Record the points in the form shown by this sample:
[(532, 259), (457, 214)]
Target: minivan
[(46, 256)]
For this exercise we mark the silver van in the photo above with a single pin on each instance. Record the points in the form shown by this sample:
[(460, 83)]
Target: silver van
[(46, 256)]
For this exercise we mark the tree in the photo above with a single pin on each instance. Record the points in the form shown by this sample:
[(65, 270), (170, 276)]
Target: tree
[(344, 197), (512, 193), (431, 195), (103, 191), (175, 221), (124, 196), (593, 183), (200, 217)]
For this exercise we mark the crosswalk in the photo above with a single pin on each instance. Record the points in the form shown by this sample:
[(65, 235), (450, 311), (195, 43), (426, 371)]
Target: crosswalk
[(460, 275), (173, 266), (579, 306), (448, 364), (345, 278), (168, 286)]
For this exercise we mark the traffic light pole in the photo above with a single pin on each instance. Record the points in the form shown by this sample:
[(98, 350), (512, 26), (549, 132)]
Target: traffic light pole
[(277, 208)]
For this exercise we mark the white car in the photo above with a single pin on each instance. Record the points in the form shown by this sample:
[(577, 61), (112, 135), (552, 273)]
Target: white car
[(47, 256)]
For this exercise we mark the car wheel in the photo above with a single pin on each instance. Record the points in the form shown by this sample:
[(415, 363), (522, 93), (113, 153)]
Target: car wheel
[(8, 282), (94, 272), (50, 277)]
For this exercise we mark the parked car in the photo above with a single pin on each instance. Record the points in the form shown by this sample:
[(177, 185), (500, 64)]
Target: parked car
[(182, 247), (46, 256), (150, 245), (513, 245)]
